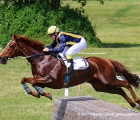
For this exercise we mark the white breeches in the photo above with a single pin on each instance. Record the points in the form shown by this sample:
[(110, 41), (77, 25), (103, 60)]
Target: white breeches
[(75, 48)]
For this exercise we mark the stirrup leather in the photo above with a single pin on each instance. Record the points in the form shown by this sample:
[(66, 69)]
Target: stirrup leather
[(70, 71)]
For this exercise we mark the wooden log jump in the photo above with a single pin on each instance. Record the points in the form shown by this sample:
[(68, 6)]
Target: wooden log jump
[(88, 108)]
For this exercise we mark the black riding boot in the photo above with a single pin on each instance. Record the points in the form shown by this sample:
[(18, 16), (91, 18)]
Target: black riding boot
[(70, 71)]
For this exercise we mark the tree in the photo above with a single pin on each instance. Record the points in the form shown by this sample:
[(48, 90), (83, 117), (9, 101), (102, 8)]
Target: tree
[(55, 4), (33, 17)]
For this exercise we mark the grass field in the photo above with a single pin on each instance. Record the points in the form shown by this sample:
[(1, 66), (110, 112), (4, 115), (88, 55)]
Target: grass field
[(118, 27)]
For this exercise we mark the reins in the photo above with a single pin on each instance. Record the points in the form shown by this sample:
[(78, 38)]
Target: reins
[(34, 55), (57, 56)]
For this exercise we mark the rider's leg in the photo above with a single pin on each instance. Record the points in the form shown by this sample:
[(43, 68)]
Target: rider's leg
[(72, 50), (63, 55), (70, 66), (68, 63)]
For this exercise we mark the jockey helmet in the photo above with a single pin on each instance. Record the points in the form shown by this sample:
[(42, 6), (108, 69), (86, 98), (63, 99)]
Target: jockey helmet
[(52, 29)]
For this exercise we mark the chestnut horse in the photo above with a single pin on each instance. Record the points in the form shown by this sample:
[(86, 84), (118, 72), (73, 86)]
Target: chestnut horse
[(48, 71)]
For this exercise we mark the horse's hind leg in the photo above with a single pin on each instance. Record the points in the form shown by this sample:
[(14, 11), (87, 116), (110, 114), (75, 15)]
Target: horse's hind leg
[(119, 83), (99, 86)]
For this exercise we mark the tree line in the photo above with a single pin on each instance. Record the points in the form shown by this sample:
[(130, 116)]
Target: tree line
[(33, 17)]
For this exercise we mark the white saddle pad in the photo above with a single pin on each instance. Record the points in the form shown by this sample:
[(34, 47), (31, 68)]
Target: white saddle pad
[(80, 63)]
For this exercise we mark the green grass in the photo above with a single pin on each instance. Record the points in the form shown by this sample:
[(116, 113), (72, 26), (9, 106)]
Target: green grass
[(116, 21), (118, 27)]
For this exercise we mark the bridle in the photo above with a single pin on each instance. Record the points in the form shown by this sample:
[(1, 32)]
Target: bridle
[(16, 48)]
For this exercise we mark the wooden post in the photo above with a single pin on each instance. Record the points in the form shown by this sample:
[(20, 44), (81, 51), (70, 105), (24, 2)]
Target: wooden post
[(66, 92), (79, 90)]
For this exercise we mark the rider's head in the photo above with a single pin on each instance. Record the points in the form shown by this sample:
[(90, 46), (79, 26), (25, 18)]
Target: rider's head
[(53, 32)]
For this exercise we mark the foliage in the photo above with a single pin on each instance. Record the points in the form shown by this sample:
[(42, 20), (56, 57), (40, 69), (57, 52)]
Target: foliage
[(34, 20), (55, 4)]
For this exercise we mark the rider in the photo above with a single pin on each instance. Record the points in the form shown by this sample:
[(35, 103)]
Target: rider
[(69, 44)]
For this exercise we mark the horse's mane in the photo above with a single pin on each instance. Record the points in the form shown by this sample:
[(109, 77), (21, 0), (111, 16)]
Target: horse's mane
[(32, 42)]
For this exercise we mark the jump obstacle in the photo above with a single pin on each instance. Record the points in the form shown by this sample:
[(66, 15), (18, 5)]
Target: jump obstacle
[(88, 108)]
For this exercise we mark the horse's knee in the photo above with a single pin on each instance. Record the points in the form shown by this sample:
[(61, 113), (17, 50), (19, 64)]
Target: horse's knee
[(33, 83), (22, 80), (28, 80)]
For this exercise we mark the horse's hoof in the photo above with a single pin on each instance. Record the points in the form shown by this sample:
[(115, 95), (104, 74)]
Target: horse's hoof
[(137, 106), (35, 94), (48, 95)]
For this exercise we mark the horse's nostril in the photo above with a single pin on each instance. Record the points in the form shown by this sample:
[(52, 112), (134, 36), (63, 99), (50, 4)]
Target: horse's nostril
[(3, 60)]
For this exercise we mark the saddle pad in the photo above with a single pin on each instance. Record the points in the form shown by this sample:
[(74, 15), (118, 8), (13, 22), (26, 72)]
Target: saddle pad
[(80, 63)]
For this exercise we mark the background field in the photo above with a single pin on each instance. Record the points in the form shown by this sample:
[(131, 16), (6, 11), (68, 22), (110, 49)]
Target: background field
[(118, 27)]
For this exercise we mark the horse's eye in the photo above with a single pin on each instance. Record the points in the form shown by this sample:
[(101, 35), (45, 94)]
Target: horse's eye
[(11, 46)]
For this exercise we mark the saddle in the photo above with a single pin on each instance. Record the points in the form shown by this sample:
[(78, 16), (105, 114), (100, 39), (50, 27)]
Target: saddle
[(80, 63)]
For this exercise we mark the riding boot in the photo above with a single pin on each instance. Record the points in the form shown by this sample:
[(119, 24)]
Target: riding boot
[(70, 71)]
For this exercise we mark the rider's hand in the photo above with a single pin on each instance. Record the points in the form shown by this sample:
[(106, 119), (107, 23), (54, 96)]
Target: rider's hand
[(46, 50)]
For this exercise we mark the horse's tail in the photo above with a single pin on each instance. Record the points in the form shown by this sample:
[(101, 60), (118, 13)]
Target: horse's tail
[(122, 71)]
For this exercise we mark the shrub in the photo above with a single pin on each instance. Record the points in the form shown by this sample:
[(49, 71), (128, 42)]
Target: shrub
[(34, 20)]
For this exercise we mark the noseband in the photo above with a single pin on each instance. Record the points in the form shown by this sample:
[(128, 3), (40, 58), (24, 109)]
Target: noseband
[(15, 48)]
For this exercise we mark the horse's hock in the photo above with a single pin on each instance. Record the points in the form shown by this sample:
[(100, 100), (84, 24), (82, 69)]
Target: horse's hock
[(88, 108)]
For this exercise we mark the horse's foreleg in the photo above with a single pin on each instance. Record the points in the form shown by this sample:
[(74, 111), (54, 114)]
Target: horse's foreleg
[(27, 89), (42, 93), (38, 89)]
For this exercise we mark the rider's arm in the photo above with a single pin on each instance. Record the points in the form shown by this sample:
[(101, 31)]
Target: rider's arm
[(51, 46), (61, 46)]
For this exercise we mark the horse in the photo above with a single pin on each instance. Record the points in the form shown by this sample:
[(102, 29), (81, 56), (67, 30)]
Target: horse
[(47, 71)]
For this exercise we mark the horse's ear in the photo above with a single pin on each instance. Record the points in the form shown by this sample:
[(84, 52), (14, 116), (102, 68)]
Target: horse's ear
[(14, 37)]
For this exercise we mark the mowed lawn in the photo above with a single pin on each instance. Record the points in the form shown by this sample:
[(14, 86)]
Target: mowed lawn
[(117, 26)]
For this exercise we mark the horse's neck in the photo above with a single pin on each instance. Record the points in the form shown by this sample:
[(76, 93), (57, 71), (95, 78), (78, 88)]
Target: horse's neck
[(28, 50), (30, 53), (43, 59), (52, 60)]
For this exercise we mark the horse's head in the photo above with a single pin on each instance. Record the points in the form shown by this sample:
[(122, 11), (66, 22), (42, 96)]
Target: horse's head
[(20, 46), (10, 51)]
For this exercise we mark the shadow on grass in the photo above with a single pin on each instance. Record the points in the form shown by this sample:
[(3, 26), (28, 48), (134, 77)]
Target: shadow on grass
[(119, 45)]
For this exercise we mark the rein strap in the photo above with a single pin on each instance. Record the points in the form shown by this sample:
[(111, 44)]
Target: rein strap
[(34, 55)]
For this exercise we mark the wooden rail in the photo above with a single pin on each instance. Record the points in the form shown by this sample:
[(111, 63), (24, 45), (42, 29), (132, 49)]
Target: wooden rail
[(88, 108)]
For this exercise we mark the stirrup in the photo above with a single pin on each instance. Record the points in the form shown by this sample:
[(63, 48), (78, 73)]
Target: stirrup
[(69, 74)]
